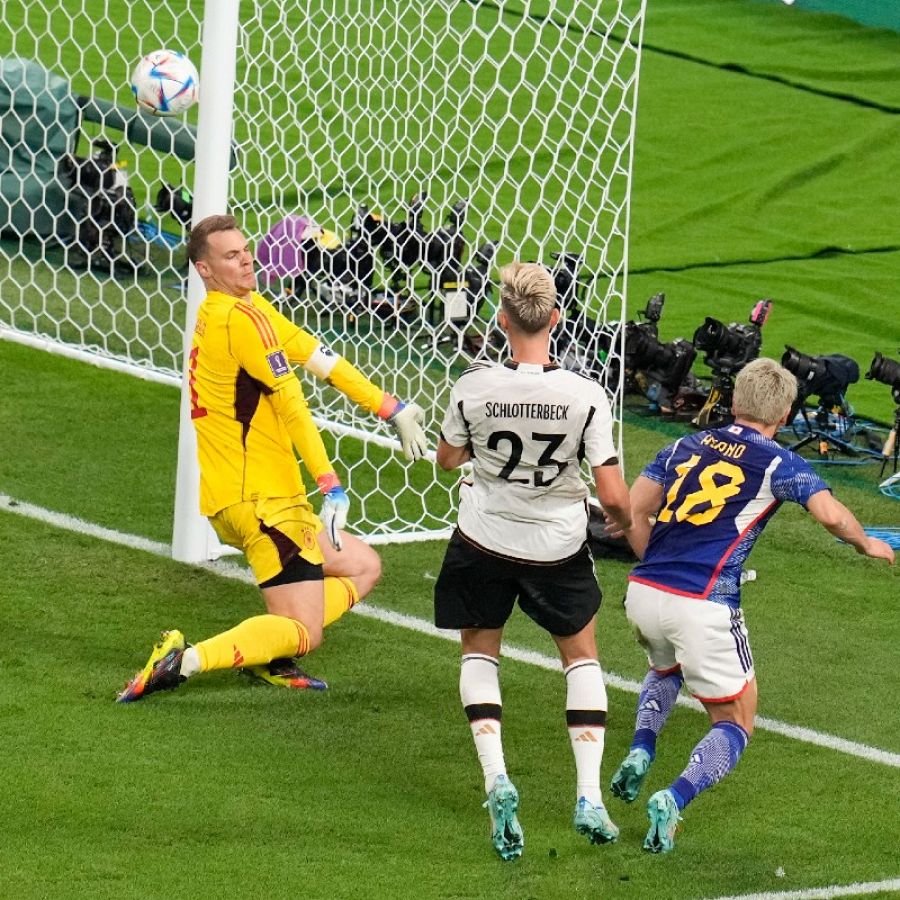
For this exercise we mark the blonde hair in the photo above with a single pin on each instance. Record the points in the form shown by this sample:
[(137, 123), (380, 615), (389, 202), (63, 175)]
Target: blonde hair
[(763, 392), (527, 295)]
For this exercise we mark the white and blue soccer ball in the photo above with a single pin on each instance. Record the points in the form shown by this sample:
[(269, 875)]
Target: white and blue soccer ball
[(165, 83)]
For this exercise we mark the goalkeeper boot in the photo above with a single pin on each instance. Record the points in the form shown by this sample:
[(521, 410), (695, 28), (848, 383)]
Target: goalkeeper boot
[(626, 783), (162, 671), (594, 822), (506, 832), (285, 673), (664, 818)]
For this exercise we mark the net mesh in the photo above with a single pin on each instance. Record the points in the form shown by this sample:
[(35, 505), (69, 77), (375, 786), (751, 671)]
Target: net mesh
[(387, 158)]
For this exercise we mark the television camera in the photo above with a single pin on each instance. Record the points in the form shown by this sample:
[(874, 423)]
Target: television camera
[(403, 246), (887, 371), (343, 271), (727, 349), (826, 377), (833, 423), (177, 201), (652, 368), (579, 342), (461, 294), (101, 209)]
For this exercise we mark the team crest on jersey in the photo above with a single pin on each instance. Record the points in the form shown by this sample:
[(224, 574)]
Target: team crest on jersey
[(278, 363)]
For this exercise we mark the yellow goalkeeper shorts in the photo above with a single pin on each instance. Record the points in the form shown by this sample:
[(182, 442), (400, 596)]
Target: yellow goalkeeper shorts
[(271, 531)]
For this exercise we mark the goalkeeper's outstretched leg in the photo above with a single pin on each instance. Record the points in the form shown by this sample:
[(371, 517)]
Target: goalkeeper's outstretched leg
[(302, 597), (350, 574)]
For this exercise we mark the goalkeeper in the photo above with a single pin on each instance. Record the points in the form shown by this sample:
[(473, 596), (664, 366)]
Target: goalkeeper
[(249, 412)]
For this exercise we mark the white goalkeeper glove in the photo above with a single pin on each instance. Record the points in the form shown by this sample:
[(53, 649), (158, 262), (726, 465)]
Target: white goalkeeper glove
[(335, 506), (407, 420)]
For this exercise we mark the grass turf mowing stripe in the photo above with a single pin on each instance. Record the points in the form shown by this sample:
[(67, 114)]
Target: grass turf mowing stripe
[(531, 657), (857, 889)]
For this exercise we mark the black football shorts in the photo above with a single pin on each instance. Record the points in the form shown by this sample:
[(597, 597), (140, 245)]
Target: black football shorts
[(476, 589)]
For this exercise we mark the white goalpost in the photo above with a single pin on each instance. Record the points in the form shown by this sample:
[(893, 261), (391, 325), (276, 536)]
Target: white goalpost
[(384, 159)]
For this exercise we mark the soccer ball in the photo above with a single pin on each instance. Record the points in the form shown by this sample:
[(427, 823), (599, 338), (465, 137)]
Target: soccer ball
[(165, 83)]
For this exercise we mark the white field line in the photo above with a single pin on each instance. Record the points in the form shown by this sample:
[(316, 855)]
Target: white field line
[(413, 623), (857, 889)]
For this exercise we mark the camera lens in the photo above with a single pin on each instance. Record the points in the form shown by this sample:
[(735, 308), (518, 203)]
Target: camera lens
[(709, 335), (806, 369), (885, 370)]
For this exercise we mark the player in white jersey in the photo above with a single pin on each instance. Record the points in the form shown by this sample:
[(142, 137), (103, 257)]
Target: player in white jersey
[(526, 425), (711, 494)]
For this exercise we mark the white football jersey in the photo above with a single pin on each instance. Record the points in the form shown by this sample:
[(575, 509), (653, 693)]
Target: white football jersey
[(529, 427)]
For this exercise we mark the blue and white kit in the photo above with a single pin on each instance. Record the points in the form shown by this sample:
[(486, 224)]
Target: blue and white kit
[(720, 488)]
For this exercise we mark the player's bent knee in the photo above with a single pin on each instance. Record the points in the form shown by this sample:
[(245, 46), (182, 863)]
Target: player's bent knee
[(357, 561), (372, 574)]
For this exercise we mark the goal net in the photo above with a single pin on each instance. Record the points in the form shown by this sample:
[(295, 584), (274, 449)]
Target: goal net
[(387, 158)]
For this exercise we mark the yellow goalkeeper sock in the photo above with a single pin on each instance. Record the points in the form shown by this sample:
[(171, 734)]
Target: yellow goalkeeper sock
[(253, 642), (340, 595)]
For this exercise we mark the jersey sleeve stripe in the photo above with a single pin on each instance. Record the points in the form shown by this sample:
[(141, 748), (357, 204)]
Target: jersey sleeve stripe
[(262, 326), (267, 324), (740, 536)]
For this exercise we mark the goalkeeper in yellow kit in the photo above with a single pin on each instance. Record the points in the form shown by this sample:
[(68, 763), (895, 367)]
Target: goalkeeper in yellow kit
[(250, 413)]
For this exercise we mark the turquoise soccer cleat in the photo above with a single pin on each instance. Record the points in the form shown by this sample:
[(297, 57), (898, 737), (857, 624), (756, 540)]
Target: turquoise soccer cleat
[(626, 783), (162, 672), (506, 832), (664, 818), (594, 822)]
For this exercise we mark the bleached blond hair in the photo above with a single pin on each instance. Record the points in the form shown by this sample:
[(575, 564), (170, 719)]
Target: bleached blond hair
[(527, 295), (763, 392)]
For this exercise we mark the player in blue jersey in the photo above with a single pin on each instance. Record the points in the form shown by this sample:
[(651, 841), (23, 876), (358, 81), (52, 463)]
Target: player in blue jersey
[(711, 494)]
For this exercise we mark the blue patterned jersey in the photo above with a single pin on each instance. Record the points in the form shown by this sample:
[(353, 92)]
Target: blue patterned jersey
[(720, 488)]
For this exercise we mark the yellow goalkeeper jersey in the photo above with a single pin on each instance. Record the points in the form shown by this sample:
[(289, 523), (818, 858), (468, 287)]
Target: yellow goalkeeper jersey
[(247, 405)]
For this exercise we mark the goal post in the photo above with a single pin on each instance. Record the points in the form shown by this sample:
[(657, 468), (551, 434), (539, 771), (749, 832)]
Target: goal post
[(387, 159), (192, 536)]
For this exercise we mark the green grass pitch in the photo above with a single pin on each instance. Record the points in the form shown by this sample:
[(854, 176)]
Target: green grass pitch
[(765, 166)]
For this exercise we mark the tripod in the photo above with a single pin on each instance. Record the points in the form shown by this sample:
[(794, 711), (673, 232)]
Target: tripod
[(891, 448), (717, 409), (836, 429)]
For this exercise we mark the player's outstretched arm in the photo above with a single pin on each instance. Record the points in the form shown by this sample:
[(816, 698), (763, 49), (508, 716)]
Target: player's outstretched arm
[(406, 419), (839, 521)]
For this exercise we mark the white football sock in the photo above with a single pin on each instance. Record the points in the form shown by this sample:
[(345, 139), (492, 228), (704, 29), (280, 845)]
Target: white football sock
[(586, 718), (190, 663), (479, 690)]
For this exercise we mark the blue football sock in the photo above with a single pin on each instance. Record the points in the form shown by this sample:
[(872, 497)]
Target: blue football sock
[(657, 699), (711, 760)]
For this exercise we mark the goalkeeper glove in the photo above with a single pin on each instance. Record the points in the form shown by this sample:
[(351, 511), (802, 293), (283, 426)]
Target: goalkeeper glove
[(407, 420), (335, 506)]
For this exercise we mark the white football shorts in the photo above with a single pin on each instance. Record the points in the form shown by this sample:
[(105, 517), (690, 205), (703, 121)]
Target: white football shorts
[(707, 640)]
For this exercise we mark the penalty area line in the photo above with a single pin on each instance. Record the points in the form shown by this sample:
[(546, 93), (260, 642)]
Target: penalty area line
[(413, 623), (857, 889)]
